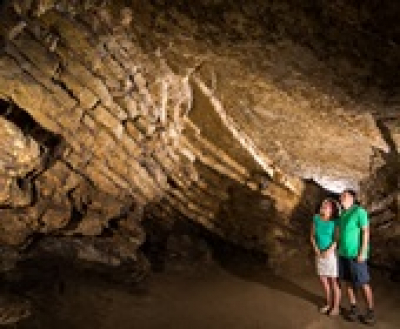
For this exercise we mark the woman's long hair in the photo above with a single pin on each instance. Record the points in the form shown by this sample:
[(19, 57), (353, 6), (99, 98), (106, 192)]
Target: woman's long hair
[(336, 208)]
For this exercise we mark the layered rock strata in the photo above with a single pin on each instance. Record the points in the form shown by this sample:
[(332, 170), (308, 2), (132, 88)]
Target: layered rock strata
[(219, 113)]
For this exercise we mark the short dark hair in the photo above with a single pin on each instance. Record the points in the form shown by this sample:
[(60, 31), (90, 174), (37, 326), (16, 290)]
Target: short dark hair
[(354, 194), (350, 191)]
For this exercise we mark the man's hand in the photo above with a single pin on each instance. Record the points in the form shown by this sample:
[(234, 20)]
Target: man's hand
[(317, 253), (360, 258)]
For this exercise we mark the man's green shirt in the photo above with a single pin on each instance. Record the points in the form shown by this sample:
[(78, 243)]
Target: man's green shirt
[(351, 223)]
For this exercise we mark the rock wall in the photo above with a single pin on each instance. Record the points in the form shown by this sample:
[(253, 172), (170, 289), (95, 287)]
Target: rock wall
[(236, 116)]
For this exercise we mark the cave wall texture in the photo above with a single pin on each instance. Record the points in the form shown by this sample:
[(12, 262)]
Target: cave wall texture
[(234, 115)]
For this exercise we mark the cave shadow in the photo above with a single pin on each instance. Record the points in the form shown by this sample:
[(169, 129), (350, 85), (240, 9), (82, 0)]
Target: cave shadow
[(251, 265)]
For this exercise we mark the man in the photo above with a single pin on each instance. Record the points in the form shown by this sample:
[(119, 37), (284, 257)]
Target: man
[(353, 254)]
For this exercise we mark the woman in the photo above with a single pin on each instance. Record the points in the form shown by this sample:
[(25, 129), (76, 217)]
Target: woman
[(323, 241)]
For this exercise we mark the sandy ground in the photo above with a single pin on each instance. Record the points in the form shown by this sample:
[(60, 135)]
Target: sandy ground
[(208, 297)]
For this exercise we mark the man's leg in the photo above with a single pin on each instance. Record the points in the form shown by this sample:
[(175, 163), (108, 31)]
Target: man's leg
[(348, 285), (350, 293), (345, 278), (352, 314), (361, 276), (347, 282), (369, 316), (368, 295)]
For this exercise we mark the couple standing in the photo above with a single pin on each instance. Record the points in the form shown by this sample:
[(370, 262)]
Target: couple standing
[(341, 244)]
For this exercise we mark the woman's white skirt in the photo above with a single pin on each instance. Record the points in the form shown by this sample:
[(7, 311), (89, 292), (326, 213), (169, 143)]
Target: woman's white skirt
[(328, 266)]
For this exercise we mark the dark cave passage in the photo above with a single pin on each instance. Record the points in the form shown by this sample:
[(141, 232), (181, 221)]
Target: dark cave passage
[(158, 156)]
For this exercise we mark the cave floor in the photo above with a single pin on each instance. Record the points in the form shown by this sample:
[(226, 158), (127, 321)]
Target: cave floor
[(209, 297)]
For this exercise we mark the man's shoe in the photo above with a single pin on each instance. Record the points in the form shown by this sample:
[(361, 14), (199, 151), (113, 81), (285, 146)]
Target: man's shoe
[(352, 314), (369, 317)]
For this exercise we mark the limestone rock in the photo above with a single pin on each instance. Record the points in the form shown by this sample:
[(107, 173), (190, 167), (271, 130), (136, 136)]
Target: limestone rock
[(13, 311), (237, 116)]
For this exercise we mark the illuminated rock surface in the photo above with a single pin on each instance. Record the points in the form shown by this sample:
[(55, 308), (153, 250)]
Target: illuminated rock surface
[(120, 121)]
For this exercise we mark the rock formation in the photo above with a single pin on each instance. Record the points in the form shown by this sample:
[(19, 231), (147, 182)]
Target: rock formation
[(237, 116)]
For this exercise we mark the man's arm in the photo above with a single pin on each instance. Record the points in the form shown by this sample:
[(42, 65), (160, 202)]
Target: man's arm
[(362, 256)]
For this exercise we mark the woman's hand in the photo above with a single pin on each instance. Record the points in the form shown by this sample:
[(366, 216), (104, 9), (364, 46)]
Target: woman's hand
[(326, 253)]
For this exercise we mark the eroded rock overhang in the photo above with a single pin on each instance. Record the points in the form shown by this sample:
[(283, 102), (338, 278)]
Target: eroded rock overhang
[(206, 112)]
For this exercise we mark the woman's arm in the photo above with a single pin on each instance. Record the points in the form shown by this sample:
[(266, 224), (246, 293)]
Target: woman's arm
[(312, 240), (334, 244), (335, 239)]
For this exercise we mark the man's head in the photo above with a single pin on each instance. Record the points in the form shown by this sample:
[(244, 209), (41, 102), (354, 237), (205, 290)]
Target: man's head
[(348, 198)]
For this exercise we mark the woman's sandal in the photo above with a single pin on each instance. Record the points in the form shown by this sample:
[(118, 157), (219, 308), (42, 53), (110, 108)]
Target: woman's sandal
[(333, 312), (325, 309)]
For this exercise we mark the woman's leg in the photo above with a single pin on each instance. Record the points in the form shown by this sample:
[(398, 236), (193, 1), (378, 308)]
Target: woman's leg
[(327, 289), (336, 296)]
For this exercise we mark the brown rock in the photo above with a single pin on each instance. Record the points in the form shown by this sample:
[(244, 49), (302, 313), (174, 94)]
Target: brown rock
[(239, 123)]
